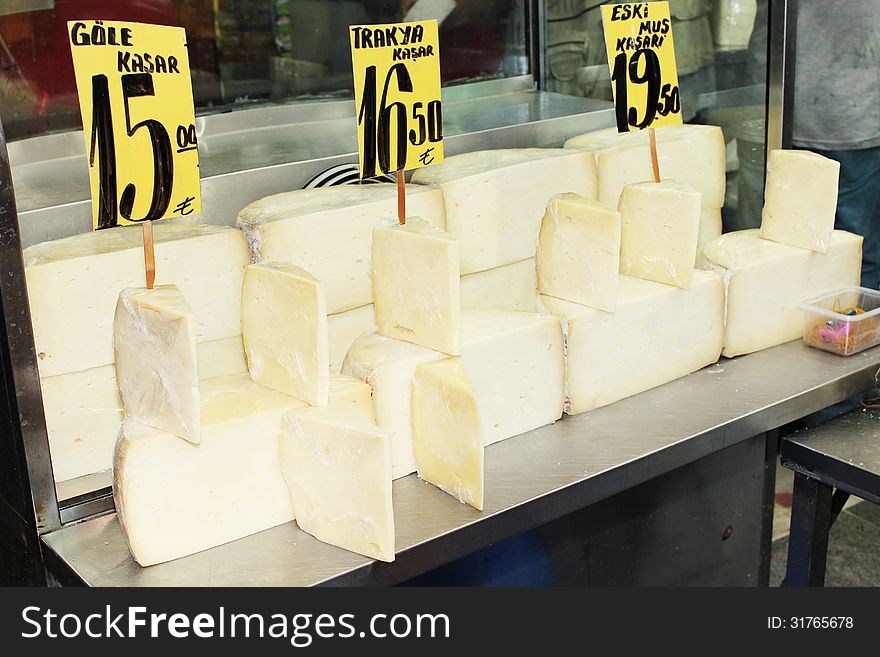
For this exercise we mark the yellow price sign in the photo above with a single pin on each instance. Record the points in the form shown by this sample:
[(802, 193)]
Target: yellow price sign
[(641, 55), (397, 96), (135, 95)]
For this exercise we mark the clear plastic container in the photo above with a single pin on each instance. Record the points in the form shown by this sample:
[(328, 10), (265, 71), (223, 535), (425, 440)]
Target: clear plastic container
[(844, 321)]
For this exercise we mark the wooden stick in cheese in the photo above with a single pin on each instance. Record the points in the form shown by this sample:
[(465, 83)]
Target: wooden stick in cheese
[(579, 252), (154, 340), (658, 333), (766, 281), (74, 283), (660, 224), (800, 199), (692, 154), (328, 232), (447, 442), (284, 328), (416, 284), (495, 199)]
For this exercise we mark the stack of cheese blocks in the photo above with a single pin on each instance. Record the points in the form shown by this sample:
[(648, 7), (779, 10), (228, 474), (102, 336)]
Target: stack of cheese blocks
[(795, 255), (292, 366)]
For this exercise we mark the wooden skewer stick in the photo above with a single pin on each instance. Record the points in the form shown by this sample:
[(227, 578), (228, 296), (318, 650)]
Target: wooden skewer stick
[(149, 255), (654, 163), (401, 199)]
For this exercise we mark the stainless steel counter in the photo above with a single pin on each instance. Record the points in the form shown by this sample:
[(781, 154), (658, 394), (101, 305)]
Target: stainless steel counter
[(530, 480)]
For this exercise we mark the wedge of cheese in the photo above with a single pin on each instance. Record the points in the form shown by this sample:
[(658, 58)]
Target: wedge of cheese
[(74, 283), (766, 281), (800, 199), (657, 334), (416, 284), (346, 327), (284, 328), (154, 339), (339, 476), (514, 394), (447, 442), (692, 154), (328, 232), (174, 498), (509, 287), (710, 230), (84, 411), (495, 199), (660, 225), (579, 252)]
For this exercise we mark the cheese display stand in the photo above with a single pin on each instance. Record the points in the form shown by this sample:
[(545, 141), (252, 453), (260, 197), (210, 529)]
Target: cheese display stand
[(318, 391)]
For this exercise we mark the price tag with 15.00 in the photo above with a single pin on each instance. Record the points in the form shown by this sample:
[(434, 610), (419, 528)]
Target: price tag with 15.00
[(135, 95)]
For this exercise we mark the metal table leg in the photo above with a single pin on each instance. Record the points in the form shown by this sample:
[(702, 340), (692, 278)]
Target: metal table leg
[(810, 523)]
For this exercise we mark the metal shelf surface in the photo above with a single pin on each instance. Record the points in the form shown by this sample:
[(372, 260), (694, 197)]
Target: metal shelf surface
[(531, 479)]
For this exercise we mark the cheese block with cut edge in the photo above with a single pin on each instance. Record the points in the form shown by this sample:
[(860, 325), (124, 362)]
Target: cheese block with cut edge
[(579, 252), (495, 199), (174, 498), (447, 441), (74, 283), (84, 412), (660, 225), (154, 340), (284, 328), (766, 281), (416, 284), (800, 199), (515, 362), (328, 232), (339, 476), (690, 153), (657, 334), (509, 287)]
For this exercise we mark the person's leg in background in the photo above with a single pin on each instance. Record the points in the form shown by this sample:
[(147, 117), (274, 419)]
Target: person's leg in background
[(858, 205)]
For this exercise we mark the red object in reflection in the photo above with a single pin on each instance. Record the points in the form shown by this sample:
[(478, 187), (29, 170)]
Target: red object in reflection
[(39, 42)]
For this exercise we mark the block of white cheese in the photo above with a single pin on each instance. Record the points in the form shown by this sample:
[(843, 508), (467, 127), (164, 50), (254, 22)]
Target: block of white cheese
[(328, 232), (515, 362), (657, 334), (174, 498), (74, 283), (339, 476), (766, 282), (692, 154), (83, 409), (800, 199), (447, 442), (509, 287), (157, 366), (710, 230), (346, 327), (284, 329), (495, 199), (579, 252), (660, 225), (416, 284)]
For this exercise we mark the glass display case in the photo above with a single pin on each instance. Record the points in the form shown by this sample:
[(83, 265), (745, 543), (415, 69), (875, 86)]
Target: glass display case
[(273, 92)]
